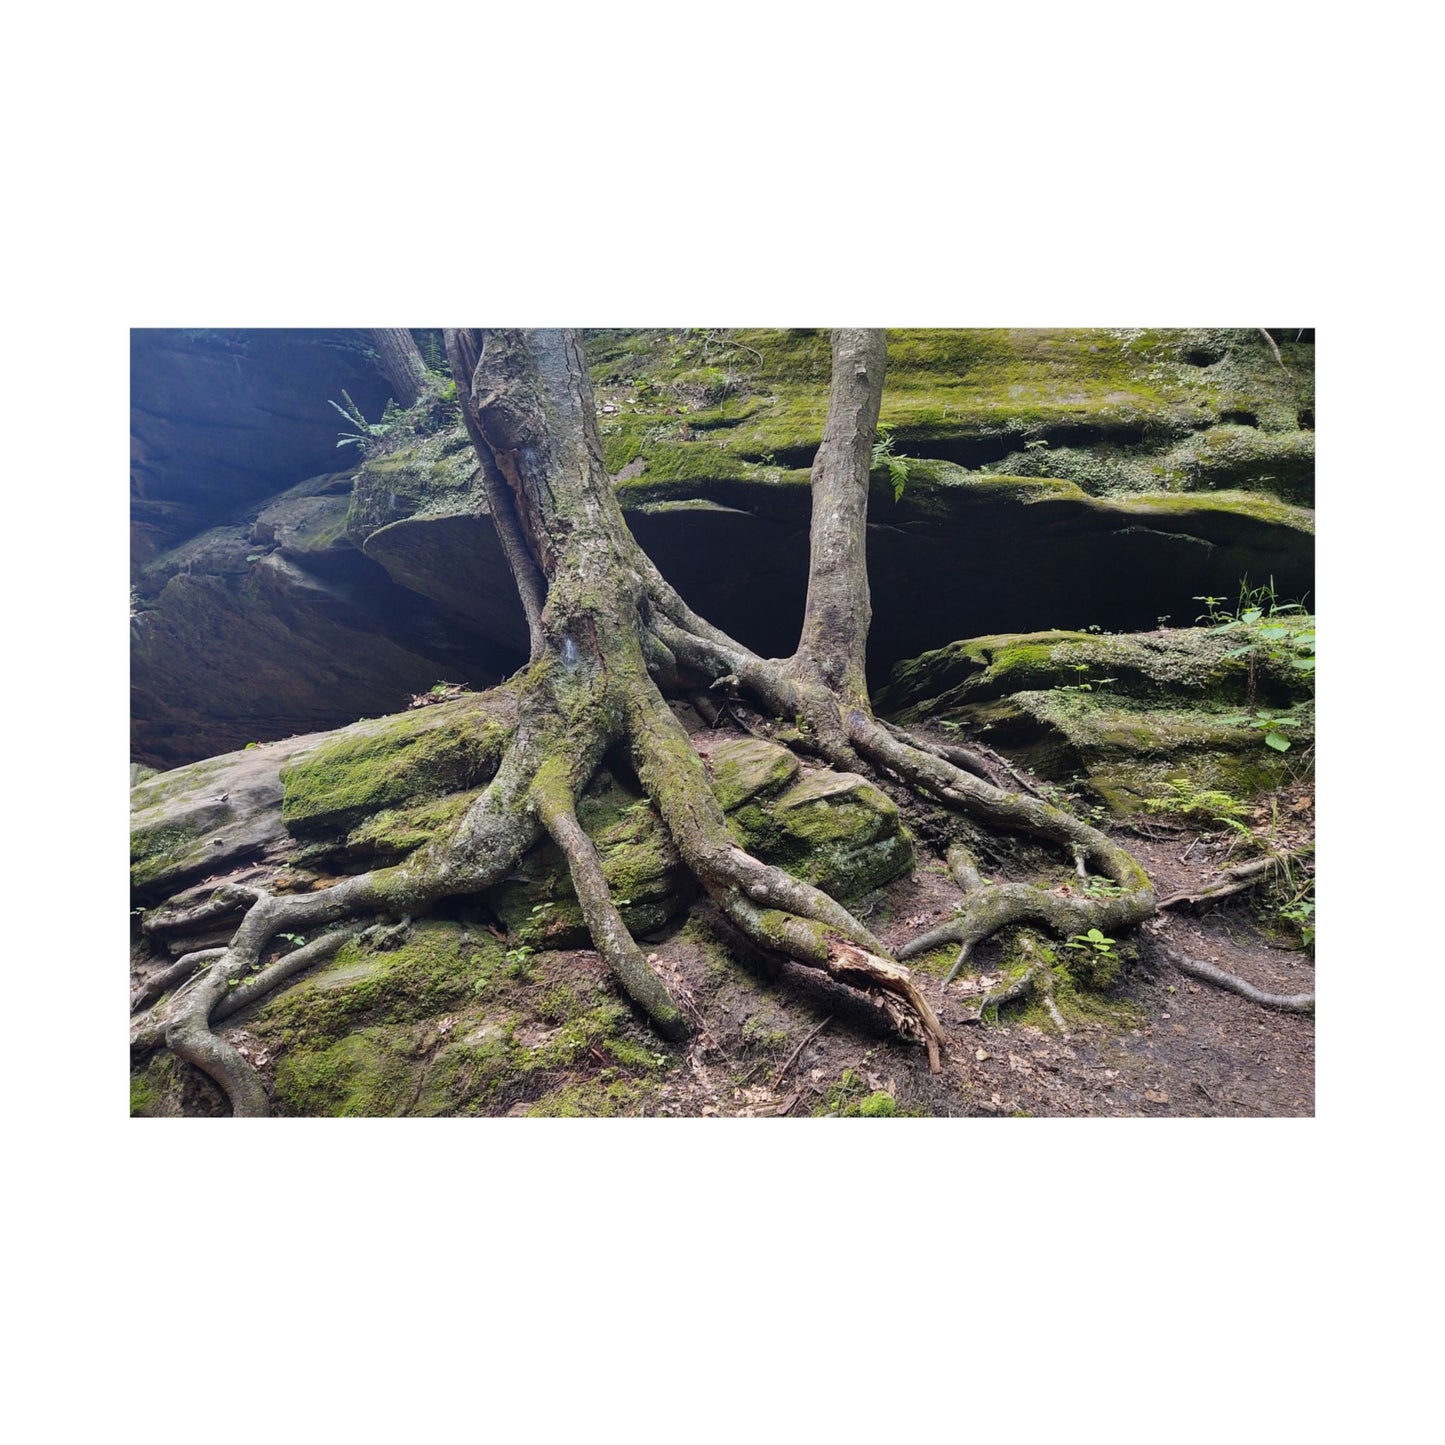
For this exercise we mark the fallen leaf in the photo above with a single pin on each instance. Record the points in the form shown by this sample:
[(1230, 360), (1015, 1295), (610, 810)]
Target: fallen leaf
[(1156, 1096), (981, 1054)]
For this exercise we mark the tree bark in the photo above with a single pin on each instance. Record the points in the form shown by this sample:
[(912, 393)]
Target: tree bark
[(463, 352), (401, 361), (838, 610)]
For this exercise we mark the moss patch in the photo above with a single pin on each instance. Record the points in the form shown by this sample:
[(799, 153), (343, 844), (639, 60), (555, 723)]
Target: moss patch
[(378, 765)]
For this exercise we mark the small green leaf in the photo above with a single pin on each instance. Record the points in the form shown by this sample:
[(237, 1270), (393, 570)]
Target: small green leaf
[(1277, 741)]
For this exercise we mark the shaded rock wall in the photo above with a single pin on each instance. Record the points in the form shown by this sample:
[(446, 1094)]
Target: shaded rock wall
[(1054, 478)]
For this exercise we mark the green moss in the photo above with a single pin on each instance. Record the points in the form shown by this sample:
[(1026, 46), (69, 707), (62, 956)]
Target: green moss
[(368, 1074), (606, 1097), (157, 850), (438, 967), (390, 835), (143, 1096), (1225, 506), (878, 1105), (419, 755), (1111, 411), (850, 1098), (743, 769)]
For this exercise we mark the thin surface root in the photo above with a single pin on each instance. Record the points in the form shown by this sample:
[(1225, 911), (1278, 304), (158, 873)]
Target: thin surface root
[(1296, 1003)]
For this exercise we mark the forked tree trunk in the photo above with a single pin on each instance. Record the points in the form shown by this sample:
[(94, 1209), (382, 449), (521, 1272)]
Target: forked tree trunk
[(611, 641)]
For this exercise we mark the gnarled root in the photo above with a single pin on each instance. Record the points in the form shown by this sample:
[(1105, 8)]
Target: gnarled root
[(775, 911), (618, 948), (1036, 978)]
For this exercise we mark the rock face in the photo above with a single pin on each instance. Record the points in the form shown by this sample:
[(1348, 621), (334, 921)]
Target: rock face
[(1053, 478), (1126, 716), (225, 419)]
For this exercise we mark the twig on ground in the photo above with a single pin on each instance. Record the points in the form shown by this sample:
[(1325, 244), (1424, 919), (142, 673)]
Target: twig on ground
[(793, 1057)]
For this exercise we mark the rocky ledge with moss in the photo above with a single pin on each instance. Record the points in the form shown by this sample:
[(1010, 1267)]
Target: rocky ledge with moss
[(1137, 469), (1126, 716)]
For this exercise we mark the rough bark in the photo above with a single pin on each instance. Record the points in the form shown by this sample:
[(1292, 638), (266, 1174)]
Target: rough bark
[(838, 610), (401, 361), (463, 349)]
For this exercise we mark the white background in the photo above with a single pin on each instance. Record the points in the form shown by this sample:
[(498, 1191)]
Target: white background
[(774, 164)]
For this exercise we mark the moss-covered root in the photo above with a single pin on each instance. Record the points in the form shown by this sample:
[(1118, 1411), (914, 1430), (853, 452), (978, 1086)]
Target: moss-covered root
[(216, 993), (988, 907), (1295, 1003), (619, 950), (1035, 978), (777, 912)]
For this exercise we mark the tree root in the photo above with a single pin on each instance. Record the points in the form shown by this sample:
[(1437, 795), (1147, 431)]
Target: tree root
[(1237, 879), (177, 972), (618, 948), (1298, 1003)]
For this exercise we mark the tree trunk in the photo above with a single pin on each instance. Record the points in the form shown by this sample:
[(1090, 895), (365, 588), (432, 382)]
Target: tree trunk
[(401, 361), (838, 611)]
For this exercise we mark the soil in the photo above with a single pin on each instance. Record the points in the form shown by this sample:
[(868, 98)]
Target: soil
[(1179, 1047)]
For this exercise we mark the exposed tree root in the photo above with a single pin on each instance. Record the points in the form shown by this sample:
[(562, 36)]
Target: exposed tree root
[(1299, 1003), (1237, 879), (1036, 978), (161, 982)]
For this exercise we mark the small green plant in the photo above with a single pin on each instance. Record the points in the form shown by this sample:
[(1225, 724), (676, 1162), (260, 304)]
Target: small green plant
[(1102, 888), (1299, 914), (1085, 683), (365, 430), (883, 456), (1271, 724), (1273, 631), (294, 939), (1207, 806), (517, 961), (1092, 942)]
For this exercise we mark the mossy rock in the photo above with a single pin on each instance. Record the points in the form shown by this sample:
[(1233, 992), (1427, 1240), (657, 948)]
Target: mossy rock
[(439, 965), (1123, 715), (1170, 663), (441, 1021), (413, 756), (367, 1074), (209, 817)]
